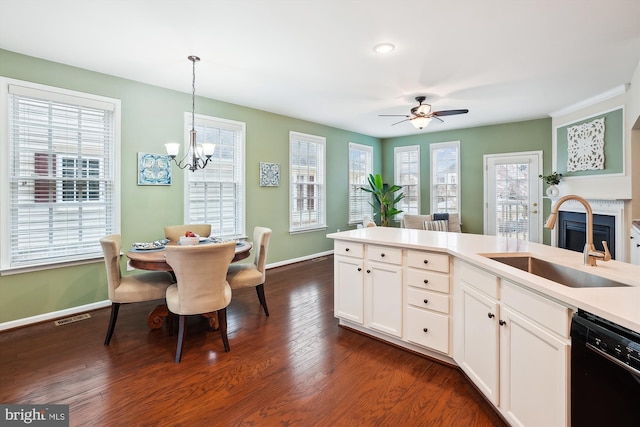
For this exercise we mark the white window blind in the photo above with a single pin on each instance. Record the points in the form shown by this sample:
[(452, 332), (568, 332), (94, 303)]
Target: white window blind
[(216, 195), (307, 180), (62, 190), (445, 176), (407, 174), (360, 166)]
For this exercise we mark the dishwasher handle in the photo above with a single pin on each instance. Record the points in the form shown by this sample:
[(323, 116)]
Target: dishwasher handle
[(612, 359)]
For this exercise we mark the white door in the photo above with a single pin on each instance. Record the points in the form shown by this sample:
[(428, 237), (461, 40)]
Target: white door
[(513, 199)]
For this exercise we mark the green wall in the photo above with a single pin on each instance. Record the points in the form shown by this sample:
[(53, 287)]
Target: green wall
[(474, 143), (152, 116)]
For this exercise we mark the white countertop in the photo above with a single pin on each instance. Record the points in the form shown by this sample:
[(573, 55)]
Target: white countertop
[(618, 304)]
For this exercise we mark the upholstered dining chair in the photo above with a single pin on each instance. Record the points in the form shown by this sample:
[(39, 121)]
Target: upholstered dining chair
[(253, 274), (174, 232), (128, 289), (201, 286)]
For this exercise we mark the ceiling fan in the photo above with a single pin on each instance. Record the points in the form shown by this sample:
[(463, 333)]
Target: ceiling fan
[(421, 115)]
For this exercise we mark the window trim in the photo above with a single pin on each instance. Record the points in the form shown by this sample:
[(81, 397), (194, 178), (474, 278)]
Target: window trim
[(228, 124), (322, 220), (437, 146), (369, 150), (396, 171), (60, 95)]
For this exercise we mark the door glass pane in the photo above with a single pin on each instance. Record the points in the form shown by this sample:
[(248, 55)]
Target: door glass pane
[(512, 200)]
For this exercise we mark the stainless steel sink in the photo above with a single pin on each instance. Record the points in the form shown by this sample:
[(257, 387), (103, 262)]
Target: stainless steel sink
[(557, 273)]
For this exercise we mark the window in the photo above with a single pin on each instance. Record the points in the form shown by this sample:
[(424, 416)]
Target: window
[(360, 166), (407, 174), (307, 190), (215, 195), (445, 176), (60, 186)]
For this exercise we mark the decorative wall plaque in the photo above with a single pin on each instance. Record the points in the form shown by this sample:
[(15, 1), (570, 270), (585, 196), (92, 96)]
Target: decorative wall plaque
[(269, 174), (154, 169), (585, 148)]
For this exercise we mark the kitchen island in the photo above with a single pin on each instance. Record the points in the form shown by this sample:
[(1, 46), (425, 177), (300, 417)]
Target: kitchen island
[(442, 295)]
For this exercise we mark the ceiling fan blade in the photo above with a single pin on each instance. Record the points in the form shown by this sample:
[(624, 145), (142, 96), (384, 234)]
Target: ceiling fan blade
[(449, 112), (392, 115), (438, 118), (401, 121)]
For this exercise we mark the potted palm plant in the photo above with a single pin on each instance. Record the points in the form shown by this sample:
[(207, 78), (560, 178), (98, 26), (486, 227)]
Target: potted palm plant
[(384, 199)]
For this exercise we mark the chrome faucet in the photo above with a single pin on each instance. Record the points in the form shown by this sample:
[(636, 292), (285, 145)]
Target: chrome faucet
[(590, 253)]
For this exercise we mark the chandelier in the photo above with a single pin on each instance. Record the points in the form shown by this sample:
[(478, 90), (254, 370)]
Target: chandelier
[(197, 155)]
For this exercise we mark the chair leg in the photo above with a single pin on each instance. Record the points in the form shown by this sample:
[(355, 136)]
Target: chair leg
[(222, 320), (182, 326), (115, 307), (263, 300)]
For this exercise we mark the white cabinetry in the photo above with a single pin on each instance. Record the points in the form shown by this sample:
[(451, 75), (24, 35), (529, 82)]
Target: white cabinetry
[(383, 289), (394, 294), (634, 245), (427, 300), (368, 286), (349, 281), (514, 345)]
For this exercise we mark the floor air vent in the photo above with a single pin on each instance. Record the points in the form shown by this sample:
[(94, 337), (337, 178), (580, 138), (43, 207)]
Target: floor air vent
[(72, 319)]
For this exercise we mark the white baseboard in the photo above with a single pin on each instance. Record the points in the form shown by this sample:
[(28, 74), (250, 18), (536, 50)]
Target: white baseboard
[(53, 315), (294, 260), (106, 303)]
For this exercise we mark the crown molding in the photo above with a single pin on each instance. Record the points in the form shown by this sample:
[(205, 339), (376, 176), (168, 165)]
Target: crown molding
[(618, 90)]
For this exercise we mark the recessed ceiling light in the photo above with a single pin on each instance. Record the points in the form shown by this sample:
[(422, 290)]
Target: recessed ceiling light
[(384, 48)]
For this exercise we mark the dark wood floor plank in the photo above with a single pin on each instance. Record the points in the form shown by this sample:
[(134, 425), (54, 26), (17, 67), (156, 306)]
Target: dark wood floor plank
[(294, 368)]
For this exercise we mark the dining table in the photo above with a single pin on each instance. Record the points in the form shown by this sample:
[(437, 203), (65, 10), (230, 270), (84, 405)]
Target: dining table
[(155, 259)]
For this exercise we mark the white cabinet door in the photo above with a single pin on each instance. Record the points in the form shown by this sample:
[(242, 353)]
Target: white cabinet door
[(533, 373), (634, 247), (349, 288), (478, 356), (383, 294)]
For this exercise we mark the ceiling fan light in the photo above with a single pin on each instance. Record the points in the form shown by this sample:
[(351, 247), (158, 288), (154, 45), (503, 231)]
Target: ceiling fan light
[(423, 109), (420, 122)]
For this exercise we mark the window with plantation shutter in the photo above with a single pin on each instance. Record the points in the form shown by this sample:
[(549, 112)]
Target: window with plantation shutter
[(307, 182), (407, 175), (60, 187), (216, 194), (360, 166), (445, 176)]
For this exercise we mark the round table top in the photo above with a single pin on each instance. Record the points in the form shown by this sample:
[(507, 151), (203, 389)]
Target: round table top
[(155, 259)]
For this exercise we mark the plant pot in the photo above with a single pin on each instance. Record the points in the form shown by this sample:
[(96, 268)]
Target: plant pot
[(553, 191)]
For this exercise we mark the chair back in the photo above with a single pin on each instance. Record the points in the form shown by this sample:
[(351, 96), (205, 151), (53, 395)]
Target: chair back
[(261, 237), (174, 232), (201, 276), (111, 246)]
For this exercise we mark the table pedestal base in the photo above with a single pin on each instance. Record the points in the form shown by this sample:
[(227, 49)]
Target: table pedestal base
[(155, 320)]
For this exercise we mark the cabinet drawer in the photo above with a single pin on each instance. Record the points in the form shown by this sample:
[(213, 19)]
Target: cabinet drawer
[(428, 329), (429, 300), (384, 254), (428, 261), (481, 280), (341, 247), (426, 279), (547, 313)]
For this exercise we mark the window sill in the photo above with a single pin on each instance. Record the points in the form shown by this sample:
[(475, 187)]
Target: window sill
[(309, 230), (32, 268)]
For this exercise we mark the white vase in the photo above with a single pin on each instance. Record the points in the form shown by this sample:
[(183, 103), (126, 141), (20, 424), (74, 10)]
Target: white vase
[(553, 191)]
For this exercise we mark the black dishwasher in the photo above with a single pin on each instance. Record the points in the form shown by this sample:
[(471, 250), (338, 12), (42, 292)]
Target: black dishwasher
[(605, 373)]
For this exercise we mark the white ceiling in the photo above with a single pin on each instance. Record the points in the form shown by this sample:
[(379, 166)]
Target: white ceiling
[(504, 60)]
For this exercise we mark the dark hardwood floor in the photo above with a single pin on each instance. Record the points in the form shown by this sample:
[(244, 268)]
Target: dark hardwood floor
[(294, 368)]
